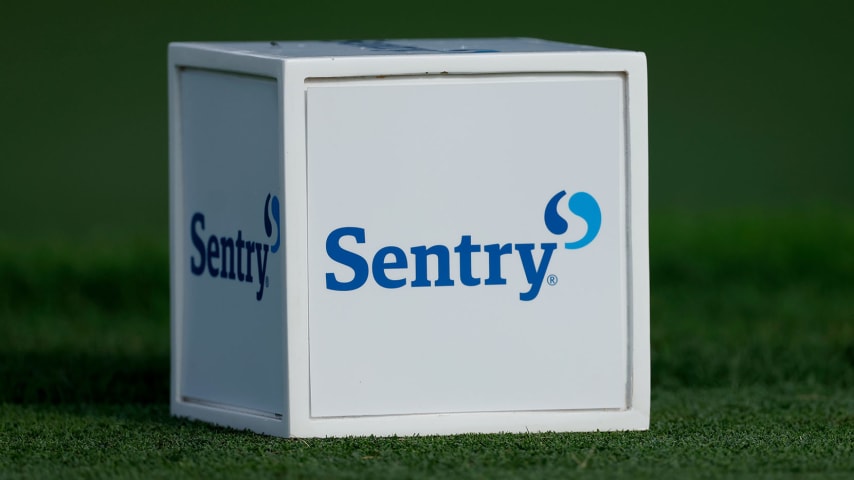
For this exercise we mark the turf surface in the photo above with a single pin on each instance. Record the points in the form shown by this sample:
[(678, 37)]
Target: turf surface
[(753, 371)]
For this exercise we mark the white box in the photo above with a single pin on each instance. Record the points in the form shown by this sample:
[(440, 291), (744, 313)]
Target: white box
[(409, 236)]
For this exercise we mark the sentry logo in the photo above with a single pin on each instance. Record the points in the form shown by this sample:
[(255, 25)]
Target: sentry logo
[(581, 204), (390, 265), (231, 257)]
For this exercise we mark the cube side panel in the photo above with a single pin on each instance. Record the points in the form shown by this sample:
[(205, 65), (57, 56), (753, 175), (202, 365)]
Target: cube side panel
[(227, 256)]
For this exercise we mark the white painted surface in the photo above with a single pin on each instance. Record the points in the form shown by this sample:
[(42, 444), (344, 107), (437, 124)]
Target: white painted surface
[(425, 162)]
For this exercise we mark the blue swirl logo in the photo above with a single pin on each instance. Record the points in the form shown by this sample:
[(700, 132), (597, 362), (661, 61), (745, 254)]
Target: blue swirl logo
[(271, 208), (583, 205)]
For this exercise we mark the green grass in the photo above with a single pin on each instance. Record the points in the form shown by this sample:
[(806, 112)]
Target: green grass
[(695, 433), (753, 372)]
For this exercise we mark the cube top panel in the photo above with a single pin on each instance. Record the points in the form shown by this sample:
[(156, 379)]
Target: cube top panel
[(352, 48)]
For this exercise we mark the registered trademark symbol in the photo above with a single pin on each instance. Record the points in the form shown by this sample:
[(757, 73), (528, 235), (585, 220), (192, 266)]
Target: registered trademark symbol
[(552, 280), (267, 281)]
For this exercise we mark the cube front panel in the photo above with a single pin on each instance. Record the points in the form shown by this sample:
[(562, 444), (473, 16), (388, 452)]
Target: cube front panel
[(500, 315)]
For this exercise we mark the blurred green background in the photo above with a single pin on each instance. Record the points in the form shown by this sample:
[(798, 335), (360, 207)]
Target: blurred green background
[(750, 103), (752, 227)]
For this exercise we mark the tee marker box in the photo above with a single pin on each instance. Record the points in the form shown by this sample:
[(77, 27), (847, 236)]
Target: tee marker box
[(409, 236)]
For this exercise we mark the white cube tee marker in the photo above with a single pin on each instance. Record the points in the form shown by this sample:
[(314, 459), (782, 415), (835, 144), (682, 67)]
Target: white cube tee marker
[(409, 237)]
